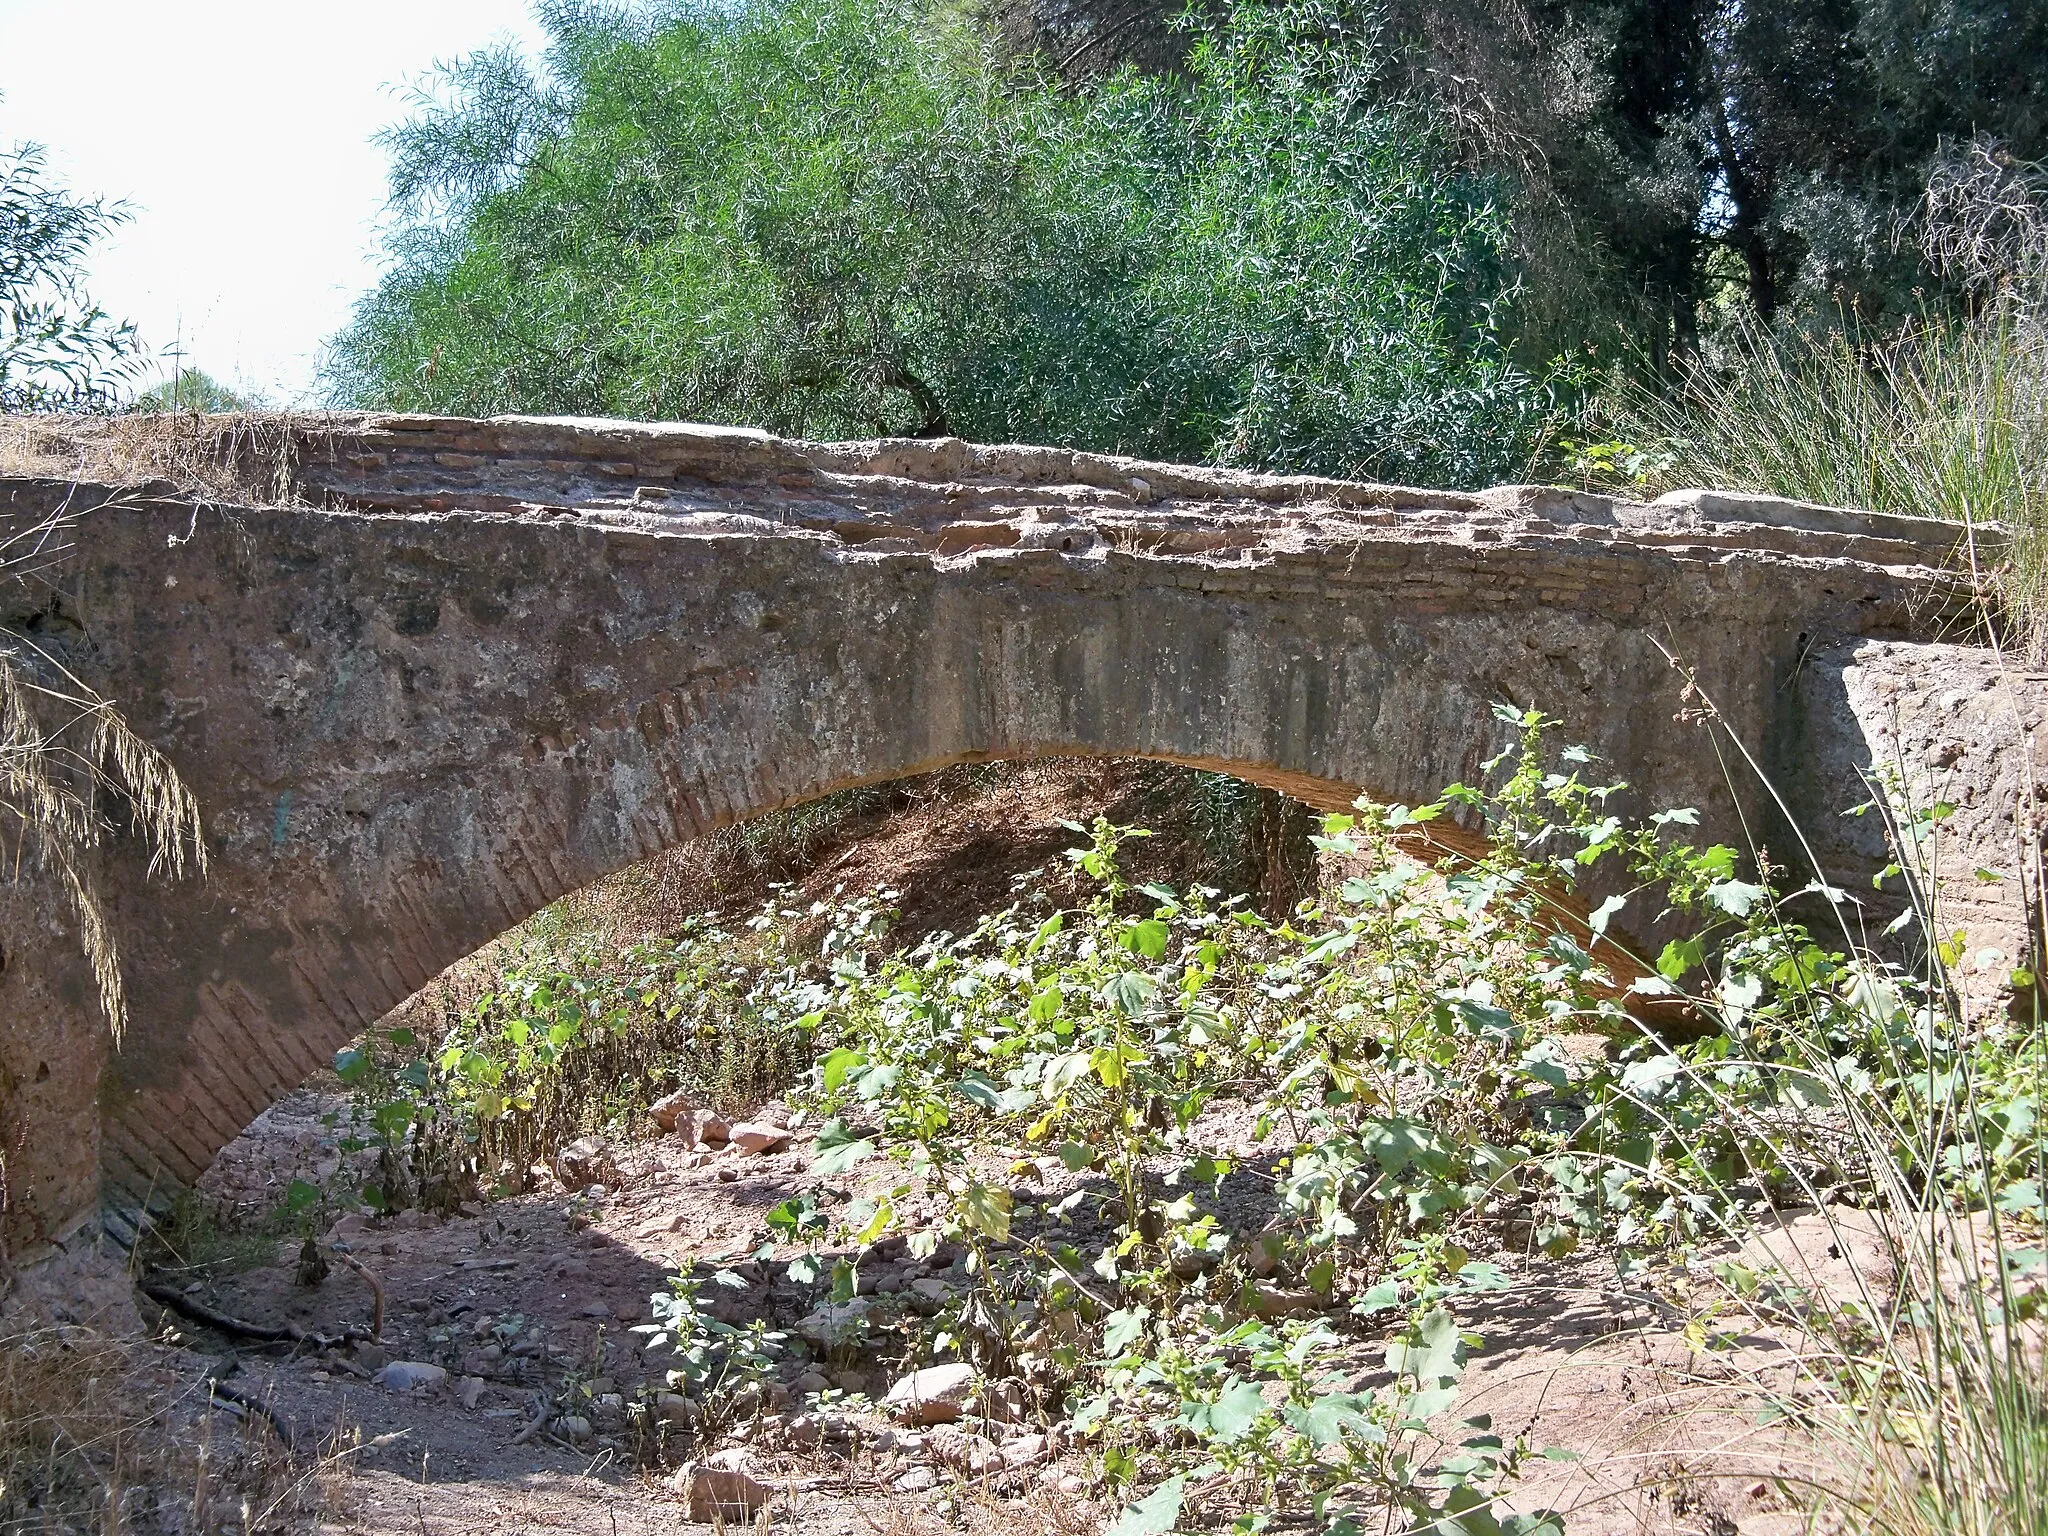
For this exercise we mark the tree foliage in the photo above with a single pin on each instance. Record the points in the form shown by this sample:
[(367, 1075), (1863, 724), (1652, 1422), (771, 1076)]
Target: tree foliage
[(57, 347), (839, 218), (1677, 161), (191, 389)]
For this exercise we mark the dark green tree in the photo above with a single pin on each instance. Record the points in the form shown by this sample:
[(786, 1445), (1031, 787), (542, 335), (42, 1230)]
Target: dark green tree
[(1673, 156), (191, 389)]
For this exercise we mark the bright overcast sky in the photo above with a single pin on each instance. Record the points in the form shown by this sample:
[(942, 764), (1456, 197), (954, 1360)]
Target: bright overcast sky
[(239, 131)]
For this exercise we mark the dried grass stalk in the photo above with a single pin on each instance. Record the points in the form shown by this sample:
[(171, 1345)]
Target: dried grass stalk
[(66, 758)]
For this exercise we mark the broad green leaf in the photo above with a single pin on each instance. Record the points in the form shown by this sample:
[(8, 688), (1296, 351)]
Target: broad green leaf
[(1542, 1064), (1603, 914), (1124, 1328), (1129, 992), (875, 1225), (987, 1209), (977, 1089), (1153, 1515), (1327, 948), (1649, 1079), (876, 1081), (1148, 938), (1383, 1297), (1330, 1418), (1108, 1062), (1062, 1072), (839, 1149), (1736, 897), (837, 1064), (1231, 1416), (1046, 930), (1432, 1351), (1679, 956), (1398, 1142)]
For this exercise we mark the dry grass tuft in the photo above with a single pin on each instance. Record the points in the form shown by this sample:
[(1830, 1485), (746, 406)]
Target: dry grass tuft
[(65, 756), (65, 1415), (105, 1434), (979, 1508), (249, 458)]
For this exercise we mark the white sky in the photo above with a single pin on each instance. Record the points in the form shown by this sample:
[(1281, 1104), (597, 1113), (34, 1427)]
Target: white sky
[(239, 133)]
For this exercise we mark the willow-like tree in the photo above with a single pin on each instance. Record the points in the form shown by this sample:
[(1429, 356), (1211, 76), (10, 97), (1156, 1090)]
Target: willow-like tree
[(845, 218), (58, 349)]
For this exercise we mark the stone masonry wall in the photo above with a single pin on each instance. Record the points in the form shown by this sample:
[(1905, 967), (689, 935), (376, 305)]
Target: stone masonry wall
[(430, 675)]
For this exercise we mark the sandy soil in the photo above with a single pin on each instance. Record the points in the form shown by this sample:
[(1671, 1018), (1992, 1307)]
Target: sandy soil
[(539, 1295)]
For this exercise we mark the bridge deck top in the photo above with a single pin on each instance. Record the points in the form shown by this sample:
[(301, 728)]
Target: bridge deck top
[(943, 497)]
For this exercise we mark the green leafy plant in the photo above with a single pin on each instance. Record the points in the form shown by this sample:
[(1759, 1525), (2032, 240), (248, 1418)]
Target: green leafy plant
[(575, 1035), (58, 349)]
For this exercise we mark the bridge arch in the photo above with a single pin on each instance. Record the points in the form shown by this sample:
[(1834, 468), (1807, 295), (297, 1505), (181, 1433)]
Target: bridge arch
[(471, 667)]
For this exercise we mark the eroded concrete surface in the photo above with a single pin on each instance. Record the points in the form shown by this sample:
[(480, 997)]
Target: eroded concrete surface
[(426, 675)]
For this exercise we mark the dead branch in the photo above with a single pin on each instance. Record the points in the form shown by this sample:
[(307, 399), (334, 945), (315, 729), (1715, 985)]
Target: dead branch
[(376, 1291), (255, 1407), (266, 1333), (544, 1409)]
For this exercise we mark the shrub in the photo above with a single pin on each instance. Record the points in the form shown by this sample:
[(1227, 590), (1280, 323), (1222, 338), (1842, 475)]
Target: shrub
[(1409, 1054)]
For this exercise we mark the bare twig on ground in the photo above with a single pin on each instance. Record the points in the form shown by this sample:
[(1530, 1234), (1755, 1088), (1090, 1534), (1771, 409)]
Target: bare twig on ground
[(376, 1291), (544, 1409)]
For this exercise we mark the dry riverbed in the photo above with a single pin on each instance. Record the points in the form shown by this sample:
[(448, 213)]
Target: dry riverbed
[(537, 1404)]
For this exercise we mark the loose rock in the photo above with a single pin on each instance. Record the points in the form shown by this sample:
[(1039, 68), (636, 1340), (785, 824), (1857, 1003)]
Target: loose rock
[(677, 1409), (671, 1112), (722, 1489), (583, 1162), (937, 1394), (836, 1323), (1023, 1451), (1273, 1301), (410, 1375), (754, 1138)]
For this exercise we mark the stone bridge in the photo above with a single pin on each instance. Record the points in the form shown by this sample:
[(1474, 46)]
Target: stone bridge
[(427, 675)]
